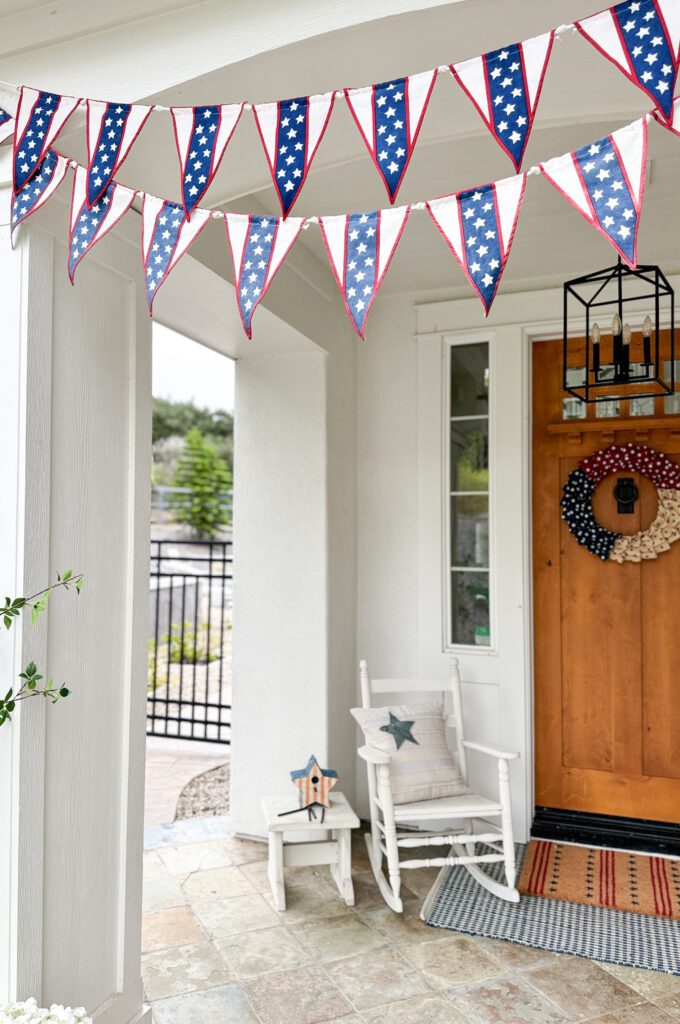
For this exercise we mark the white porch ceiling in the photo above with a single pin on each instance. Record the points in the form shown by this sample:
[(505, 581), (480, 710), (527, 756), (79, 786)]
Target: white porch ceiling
[(584, 97)]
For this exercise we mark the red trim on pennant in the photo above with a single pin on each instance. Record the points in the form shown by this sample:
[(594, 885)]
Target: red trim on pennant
[(214, 167)]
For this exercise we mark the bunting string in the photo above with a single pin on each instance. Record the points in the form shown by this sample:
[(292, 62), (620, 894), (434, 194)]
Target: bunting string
[(604, 181)]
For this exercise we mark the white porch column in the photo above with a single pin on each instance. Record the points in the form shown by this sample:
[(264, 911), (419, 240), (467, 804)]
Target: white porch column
[(279, 712), (74, 472)]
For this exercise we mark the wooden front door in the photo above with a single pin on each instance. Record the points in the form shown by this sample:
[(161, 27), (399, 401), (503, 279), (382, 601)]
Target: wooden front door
[(606, 636)]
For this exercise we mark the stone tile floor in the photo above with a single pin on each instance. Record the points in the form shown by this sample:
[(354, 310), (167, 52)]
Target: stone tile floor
[(216, 952)]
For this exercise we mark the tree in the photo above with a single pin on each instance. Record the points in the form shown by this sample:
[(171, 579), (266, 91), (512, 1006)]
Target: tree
[(171, 423), (207, 478)]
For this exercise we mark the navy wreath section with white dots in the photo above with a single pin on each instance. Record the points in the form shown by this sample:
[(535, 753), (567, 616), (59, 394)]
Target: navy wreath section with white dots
[(577, 500)]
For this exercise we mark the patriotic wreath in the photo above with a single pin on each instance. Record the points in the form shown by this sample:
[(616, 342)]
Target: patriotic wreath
[(577, 503)]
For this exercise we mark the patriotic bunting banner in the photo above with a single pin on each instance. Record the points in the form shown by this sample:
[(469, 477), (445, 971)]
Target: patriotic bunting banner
[(389, 117), (505, 86), (90, 223), (35, 192), (642, 38), (605, 182), (360, 247), (6, 125), (166, 236), (258, 246), (40, 118), (291, 131), (202, 135), (478, 225), (112, 128)]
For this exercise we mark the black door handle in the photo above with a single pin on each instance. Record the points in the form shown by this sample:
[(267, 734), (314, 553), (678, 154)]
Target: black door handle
[(626, 494)]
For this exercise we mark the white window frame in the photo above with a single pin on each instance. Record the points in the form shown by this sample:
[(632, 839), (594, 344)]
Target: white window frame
[(451, 341)]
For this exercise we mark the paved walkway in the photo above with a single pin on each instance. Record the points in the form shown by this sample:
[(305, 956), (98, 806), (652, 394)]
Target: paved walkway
[(170, 765), (216, 952)]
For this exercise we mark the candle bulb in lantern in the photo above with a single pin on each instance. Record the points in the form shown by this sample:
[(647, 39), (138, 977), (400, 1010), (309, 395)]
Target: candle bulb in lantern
[(595, 336), (617, 341), (647, 340), (625, 354)]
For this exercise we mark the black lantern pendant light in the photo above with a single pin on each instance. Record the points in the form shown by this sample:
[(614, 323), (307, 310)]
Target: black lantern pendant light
[(613, 320)]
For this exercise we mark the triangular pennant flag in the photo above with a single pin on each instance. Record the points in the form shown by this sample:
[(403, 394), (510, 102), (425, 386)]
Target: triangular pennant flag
[(40, 118), (7, 125), (605, 182), (35, 192), (389, 117), (112, 128), (89, 224), (360, 247), (258, 246), (202, 134), (478, 225), (291, 131), (505, 86), (166, 236), (643, 39)]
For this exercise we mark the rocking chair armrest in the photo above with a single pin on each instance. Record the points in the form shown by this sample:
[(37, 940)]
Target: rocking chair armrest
[(499, 752), (372, 755)]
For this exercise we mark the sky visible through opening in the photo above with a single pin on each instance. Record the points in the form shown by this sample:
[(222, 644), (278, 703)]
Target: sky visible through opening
[(186, 371)]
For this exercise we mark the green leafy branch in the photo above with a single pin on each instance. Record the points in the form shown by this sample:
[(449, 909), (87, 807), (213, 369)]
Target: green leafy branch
[(38, 602), (30, 677), (29, 688)]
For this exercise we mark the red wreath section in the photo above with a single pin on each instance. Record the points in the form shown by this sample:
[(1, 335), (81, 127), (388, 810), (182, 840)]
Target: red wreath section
[(634, 458)]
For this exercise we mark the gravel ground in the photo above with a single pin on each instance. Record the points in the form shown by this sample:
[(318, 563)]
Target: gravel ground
[(205, 796)]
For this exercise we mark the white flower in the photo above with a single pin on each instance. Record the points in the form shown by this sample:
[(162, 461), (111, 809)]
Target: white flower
[(28, 1012)]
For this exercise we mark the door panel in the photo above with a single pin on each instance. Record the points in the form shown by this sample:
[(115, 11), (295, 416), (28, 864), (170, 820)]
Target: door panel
[(606, 636)]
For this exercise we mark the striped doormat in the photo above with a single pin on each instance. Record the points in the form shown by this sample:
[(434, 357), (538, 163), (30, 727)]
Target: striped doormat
[(458, 903), (602, 878)]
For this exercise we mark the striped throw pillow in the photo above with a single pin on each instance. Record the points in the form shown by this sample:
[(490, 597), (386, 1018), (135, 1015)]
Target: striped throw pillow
[(422, 766)]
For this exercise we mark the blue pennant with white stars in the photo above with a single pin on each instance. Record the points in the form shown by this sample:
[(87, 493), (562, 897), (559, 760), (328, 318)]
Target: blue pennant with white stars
[(40, 117), (389, 116), (256, 256), (258, 246), (609, 193), (163, 243), (360, 265), (605, 182), (103, 166), (479, 225), (291, 131), (510, 109), (642, 38), (291, 150), (505, 87), (482, 244), (89, 224), (196, 172), (360, 247), (392, 143), (6, 125), (31, 196)]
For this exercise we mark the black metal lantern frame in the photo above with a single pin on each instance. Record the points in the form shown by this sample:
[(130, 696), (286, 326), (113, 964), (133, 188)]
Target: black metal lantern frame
[(642, 296)]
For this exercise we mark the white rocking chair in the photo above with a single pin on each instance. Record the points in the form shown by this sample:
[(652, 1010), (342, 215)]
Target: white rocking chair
[(460, 812)]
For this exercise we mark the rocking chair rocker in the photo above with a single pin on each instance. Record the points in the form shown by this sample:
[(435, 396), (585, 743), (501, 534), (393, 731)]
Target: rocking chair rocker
[(459, 812)]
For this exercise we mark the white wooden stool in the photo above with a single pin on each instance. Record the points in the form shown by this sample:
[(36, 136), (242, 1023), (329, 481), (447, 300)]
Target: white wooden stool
[(336, 851)]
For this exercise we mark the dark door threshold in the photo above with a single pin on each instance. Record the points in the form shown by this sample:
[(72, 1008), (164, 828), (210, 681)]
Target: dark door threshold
[(606, 830)]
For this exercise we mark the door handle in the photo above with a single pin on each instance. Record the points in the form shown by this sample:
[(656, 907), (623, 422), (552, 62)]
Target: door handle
[(626, 494)]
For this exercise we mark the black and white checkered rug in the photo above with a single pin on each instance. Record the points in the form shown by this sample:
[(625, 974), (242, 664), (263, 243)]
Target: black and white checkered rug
[(460, 904)]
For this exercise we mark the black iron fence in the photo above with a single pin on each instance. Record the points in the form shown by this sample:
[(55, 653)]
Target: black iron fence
[(189, 671)]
